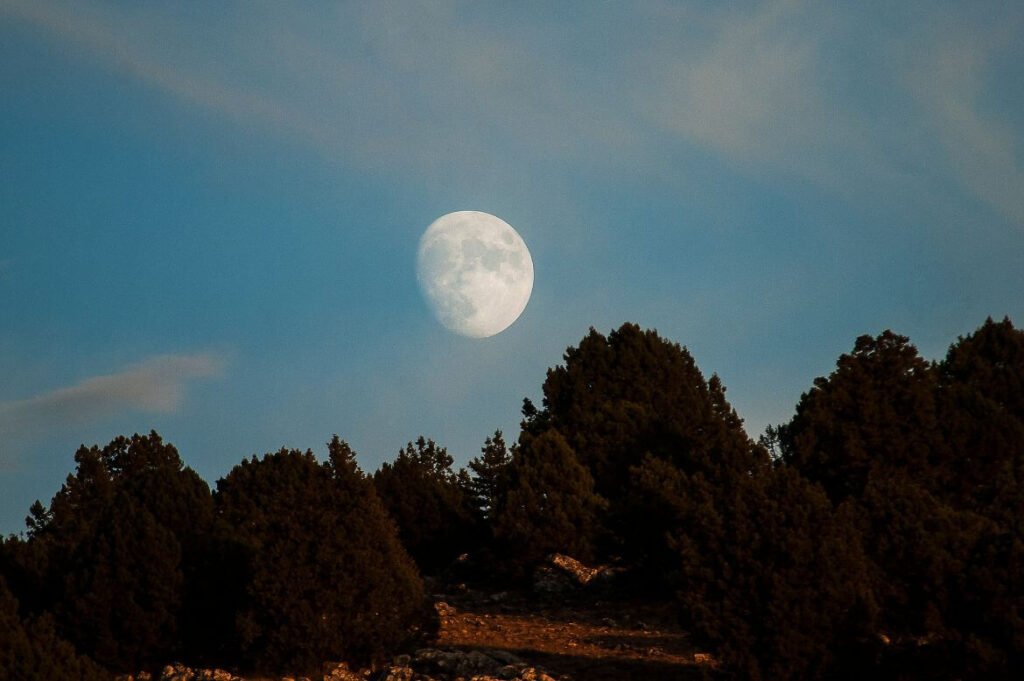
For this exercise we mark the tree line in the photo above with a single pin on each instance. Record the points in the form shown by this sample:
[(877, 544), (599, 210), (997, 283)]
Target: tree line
[(877, 533)]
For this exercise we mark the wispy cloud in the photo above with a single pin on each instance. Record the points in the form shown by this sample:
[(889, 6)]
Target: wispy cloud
[(429, 90), (157, 384), (864, 101), (948, 74), (409, 88), (748, 90)]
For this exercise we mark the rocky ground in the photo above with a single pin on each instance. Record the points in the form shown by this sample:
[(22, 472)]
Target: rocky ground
[(567, 628), (583, 640)]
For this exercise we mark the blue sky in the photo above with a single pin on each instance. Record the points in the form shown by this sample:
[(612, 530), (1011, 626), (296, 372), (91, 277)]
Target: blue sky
[(209, 212)]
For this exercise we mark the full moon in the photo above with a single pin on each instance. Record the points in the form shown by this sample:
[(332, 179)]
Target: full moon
[(475, 272)]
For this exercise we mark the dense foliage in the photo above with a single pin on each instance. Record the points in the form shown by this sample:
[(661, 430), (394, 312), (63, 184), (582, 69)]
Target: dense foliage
[(877, 534), (489, 473), (33, 650), (764, 570), (321, 572), (430, 503), (632, 394), (107, 558), (549, 504), (929, 461), (291, 563)]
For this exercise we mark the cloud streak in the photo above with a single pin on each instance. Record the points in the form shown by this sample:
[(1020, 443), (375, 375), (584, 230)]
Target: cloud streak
[(948, 77), (156, 385), (442, 94), (749, 91)]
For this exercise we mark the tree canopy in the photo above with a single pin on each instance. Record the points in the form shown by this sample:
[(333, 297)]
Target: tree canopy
[(106, 557), (430, 503), (878, 530), (549, 505), (323, 575)]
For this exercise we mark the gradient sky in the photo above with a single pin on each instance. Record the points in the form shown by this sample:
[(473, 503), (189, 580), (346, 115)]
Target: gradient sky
[(209, 212)]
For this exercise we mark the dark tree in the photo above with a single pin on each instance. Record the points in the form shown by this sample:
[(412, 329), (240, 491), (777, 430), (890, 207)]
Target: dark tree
[(991, 360), (550, 504), (982, 414), (982, 406), (107, 558), (31, 650), (928, 460), (633, 393), (767, 574), (429, 502), (489, 475), (322, 573), (877, 409), (922, 547)]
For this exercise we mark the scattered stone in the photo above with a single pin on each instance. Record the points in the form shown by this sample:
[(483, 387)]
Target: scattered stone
[(580, 572), (176, 672), (179, 672), (399, 674), (213, 675), (444, 609), (561, 574), (340, 672)]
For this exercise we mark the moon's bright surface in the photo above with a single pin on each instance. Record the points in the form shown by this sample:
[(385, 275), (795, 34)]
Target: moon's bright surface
[(475, 272)]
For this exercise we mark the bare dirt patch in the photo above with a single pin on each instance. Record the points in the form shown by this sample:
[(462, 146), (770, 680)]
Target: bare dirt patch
[(582, 640)]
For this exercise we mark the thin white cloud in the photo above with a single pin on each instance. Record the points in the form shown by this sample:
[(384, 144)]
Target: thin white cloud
[(948, 74), (749, 90), (769, 89), (145, 48), (156, 385), (865, 102), (429, 90), (407, 88)]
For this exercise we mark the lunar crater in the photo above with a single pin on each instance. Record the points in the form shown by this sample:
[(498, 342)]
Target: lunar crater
[(475, 272)]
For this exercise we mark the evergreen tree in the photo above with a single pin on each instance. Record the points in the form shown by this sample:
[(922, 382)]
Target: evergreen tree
[(32, 651), (489, 475), (550, 505), (982, 406), (429, 502), (922, 546), (876, 410), (928, 461), (321, 572), (767, 574), (982, 414), (107, 558), (632, 393), (629, 395)]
